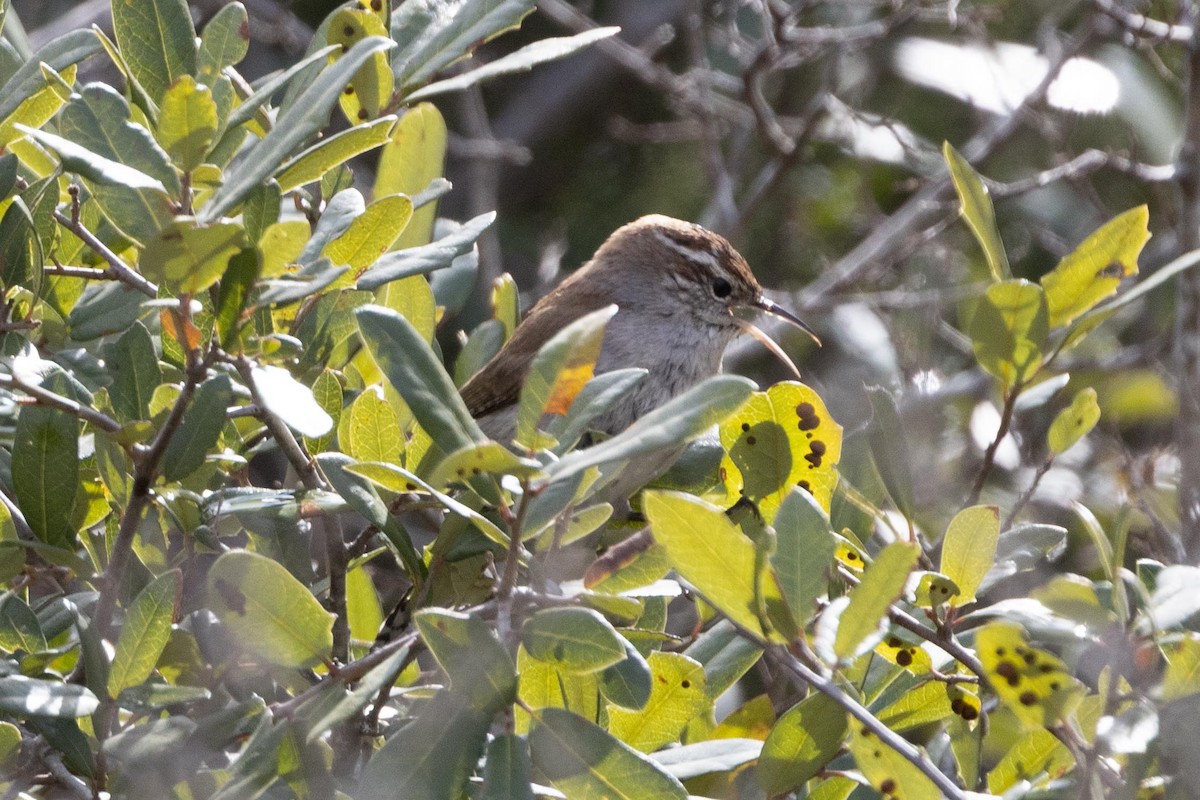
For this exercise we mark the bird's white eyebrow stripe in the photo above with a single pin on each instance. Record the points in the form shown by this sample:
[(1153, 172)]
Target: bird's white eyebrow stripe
[(704, 257)]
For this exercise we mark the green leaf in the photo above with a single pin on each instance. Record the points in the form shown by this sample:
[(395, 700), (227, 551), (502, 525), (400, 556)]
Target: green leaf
[(371, 234), (301, 120), (268, 611), (327, 391), (233, 294), (889, 449), (433, 756), (158, 41), (559, 371), (977, 211), (479, 667), (372, 429), (417, 374), (882, 582), (583, 761), (362, 497), (435, 35), (92, 166), (887, 771), (188, 257), (573, 639), (26, 697), (200, 429), (370, 90), (45, 468), (36, 110), (969, 549), (711, 553), (187, 122), (489, 458), (326, 154), (1182, 677), (1008, 329), (521, 60), (396, 479), (677, 696), (506, 771), (320, 715), (1093, 270), (782, 438), (99, 120), (426, 258), (20, 250), (802, 742), (803, 557), (599, 395), (1074, 422), (669, 425), (224, 42), (58, 54), (133, 365), (258, 765), (145, 632), (628, 683), (19, 626), (414, 157)]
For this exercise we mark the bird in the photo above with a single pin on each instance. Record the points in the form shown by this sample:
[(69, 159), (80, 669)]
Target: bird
[(676, 286)]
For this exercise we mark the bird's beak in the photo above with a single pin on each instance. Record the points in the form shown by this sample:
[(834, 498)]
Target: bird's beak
[(773, 308)]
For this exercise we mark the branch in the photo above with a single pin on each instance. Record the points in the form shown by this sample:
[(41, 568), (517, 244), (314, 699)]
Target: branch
[(1141, 25), (989, 456), (145, 473), (827, 686), (47, 398), (117, 270)]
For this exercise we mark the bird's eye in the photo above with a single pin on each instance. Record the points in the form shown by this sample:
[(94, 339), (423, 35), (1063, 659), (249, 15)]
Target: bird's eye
[(721, 288)]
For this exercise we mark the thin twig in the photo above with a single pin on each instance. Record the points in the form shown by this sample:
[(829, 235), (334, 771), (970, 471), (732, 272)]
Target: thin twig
[(1141, 25), (989, 456), (46, 397), (145, 473), (828, 686), (508, 582), (117, 267)]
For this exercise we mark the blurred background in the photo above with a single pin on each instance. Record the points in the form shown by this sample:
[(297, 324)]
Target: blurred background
[(810, 134)]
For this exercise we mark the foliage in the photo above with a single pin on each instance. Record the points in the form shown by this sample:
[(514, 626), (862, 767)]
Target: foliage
[(177, 625)]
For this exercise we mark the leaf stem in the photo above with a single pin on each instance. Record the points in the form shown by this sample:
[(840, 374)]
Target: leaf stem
[(989, 456)]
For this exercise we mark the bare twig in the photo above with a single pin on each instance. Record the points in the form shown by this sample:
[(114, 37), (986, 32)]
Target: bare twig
[(117, 270), (45, 397), (989, 455), (1141, 25), (828, 686)]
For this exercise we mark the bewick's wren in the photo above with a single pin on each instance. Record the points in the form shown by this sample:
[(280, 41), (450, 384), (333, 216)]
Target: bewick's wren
[(675, 285)]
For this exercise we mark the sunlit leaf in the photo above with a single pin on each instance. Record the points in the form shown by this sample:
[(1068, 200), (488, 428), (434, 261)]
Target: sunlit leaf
[(409, 162), (158, 41), (188, 256), (187, 122), (582, 760), (801, 743), (888, 771), (1031, 682), (882, 582), (573, 639), (1008, 328), (145, 632), (969, 549), (1092, 271), (1074, 422), (268, 611), (978, 212), (713, 555), (370, 90), (781, 438)]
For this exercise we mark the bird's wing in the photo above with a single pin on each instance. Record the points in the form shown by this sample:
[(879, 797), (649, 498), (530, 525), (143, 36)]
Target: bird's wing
[(498, 384)]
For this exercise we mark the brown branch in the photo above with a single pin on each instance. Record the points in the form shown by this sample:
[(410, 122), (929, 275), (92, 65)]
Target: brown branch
[(989, 456), (828, 686), (117, 270), (45, 397)]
